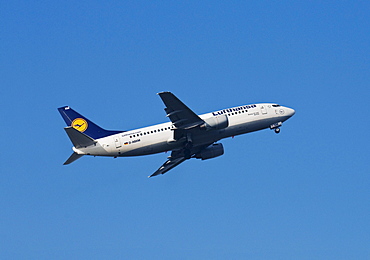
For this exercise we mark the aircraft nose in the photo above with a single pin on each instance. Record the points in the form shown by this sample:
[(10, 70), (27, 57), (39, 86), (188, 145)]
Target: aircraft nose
[(290, 112)]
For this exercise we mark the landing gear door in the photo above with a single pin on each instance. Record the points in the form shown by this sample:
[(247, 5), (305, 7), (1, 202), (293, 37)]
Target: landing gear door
[(263, 110)]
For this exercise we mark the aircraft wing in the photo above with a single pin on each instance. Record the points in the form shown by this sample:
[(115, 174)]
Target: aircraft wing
[(168, 165), (177, 157), (180, 115)]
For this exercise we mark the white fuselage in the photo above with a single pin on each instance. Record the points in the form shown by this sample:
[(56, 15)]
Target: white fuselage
[(160, 138)]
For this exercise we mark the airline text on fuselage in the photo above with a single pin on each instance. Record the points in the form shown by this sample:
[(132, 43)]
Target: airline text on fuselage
[(230, 110)]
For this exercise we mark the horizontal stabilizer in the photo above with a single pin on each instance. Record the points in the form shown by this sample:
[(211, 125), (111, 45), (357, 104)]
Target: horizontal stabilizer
[(73, 158), (79, 139)]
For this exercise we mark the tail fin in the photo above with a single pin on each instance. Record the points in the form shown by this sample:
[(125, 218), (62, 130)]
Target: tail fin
[(84, 125)]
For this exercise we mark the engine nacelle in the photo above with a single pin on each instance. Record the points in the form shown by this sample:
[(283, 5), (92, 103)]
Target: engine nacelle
[(211, 151), (216, 122)]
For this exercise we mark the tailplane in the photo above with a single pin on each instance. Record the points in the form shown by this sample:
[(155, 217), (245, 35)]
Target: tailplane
[(79, 140), (73, 158)]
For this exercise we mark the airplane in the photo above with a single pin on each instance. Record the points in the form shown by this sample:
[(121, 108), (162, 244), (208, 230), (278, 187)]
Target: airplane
[(187, 136)]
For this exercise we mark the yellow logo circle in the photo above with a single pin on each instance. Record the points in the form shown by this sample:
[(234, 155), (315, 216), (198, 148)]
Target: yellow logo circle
[(79, 124)]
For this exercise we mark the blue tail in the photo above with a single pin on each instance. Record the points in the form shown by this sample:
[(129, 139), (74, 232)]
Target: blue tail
[(84, 125)]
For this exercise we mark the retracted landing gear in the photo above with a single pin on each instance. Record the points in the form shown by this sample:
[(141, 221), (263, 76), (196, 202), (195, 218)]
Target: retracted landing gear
[(188, 146), (276, 127), (187, 153)]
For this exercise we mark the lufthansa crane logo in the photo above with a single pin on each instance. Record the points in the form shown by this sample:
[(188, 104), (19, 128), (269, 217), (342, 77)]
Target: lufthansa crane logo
[(80, 124)]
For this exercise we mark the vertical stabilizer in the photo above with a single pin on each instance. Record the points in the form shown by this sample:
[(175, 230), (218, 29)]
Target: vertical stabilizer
[(84, 125)]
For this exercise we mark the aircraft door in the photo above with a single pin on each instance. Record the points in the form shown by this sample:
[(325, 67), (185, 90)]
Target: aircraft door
[(263, 110), (117, 141)]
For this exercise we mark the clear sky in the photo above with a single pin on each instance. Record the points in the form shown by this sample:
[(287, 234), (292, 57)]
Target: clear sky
[(302, 194)]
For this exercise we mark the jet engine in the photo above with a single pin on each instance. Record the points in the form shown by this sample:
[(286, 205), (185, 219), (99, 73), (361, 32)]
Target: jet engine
[(211, 151), (216, 122)]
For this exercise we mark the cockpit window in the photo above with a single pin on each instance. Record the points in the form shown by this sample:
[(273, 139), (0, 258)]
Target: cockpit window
[(276, 105)]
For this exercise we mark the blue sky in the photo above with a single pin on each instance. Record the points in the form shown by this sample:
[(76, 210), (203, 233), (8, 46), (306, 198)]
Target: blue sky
[(302, 194)]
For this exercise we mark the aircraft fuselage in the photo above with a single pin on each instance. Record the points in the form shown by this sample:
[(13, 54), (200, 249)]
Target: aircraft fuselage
[(160, 138)]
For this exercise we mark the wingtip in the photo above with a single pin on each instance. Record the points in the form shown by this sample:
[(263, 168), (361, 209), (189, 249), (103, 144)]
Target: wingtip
[(154, 174), (163, 92)]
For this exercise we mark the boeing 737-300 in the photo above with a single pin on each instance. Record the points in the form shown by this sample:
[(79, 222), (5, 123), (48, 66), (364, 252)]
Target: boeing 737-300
[(188, 135)]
